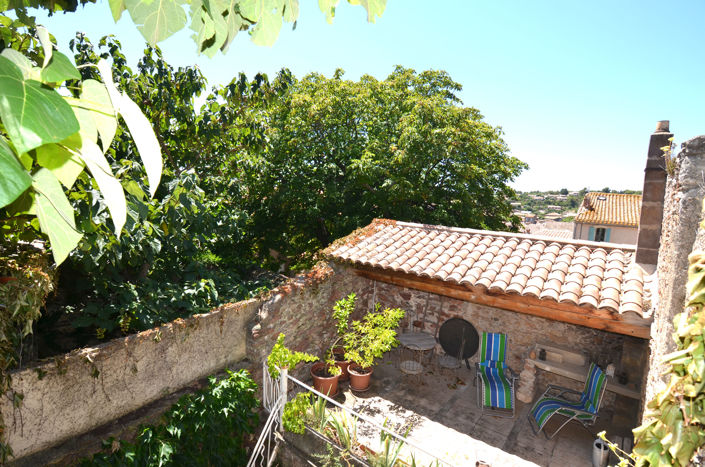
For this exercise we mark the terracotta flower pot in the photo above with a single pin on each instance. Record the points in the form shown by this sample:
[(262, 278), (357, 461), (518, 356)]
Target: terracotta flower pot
[(322, 382), (359, 377), (339, 355)]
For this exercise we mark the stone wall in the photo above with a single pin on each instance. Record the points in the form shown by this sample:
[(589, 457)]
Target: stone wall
[(82, 390), (679, 237), (302, 310), (523, 331), (89, 389)]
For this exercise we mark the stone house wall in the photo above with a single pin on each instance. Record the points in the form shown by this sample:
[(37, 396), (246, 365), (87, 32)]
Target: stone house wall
[(618, 234), (523, 331)]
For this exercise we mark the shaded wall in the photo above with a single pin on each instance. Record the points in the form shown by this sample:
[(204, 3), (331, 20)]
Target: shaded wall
[(523, 331)]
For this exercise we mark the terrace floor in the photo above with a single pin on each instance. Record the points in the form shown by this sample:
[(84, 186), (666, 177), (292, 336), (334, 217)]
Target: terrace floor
[(439, 409)]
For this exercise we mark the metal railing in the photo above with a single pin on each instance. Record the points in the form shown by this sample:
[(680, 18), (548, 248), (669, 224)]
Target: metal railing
[(265, 451), (276, 390)]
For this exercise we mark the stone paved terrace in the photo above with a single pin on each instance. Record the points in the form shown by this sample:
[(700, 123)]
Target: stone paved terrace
[(440, 407)]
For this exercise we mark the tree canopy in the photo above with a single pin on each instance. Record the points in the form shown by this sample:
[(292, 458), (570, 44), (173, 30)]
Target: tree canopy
[(342, 152)]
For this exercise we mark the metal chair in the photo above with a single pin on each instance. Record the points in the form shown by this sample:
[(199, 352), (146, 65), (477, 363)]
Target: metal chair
[(495, 380), (583, 408)]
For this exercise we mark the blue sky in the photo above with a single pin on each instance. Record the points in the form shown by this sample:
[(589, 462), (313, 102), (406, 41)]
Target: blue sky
[(576, 86)]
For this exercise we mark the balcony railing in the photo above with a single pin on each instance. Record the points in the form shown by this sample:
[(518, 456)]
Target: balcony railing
[(275, 395)]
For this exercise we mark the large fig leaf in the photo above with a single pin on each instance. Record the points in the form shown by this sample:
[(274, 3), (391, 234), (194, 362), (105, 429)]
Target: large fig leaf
[(55, 215), (14, 179), (32, 113)]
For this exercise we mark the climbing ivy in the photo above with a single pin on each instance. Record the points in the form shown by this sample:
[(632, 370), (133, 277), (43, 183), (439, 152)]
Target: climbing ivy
[(676, 426), (25, 282)]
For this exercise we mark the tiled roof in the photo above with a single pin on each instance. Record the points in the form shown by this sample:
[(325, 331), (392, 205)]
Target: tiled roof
[(610, 209), (584, 274), (553, 233)]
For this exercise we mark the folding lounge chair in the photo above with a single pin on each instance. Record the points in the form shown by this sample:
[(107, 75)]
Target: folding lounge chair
[(583, 408), (495, 380)]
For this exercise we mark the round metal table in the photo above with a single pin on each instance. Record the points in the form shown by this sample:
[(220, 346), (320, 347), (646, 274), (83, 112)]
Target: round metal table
[(414, 346)]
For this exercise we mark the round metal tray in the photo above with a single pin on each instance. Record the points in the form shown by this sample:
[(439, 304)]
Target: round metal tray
[(459, 338)]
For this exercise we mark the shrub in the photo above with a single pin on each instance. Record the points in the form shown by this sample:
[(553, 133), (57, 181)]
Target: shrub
[(206, 428)]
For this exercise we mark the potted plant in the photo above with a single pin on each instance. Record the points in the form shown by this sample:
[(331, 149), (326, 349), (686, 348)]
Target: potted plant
[(367, 340), (342, 310), (282, 358), (325, 376)]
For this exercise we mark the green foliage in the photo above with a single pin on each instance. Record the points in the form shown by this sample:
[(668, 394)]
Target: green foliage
[(331, 367), (215, 23), (206, 428), (675, 429), (388, 451), (46, 139), (163, 266), (668, 159), (369, 338), (318, 415), (281, 357), (294, 416), (341, 153), (343, 429), (342, 310), (331, 458)]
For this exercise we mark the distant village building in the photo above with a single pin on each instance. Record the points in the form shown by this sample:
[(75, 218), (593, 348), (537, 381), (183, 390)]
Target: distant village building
[(553, 216), (529, 218), (608, 217)]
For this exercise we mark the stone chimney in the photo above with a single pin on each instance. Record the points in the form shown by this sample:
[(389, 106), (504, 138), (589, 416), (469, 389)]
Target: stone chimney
[(647, 245)]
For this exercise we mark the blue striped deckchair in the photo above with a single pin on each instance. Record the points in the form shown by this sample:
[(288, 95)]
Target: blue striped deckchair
[(583, 409), (495, 380)]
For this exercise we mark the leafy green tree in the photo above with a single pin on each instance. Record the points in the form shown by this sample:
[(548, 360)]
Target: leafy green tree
[(48, 139), (181, 252), (342, 152)]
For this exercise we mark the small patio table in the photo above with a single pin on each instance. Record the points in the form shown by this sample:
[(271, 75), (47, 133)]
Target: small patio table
[(419, 343)]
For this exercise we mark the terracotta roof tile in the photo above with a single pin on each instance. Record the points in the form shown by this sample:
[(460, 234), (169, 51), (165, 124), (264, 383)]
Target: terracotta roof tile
[(550, 291), (610, 209), (584, 274)]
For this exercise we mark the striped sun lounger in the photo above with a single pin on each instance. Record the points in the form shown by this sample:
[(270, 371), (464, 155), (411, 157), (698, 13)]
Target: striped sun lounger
[(583, 409), (495, 380)]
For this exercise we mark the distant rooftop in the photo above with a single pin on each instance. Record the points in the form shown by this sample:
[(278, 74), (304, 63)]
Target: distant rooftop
[(610, 209)]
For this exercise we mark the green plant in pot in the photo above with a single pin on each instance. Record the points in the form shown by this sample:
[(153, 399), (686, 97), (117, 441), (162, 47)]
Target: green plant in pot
[(326, 375), (369, 339), (342, 310), (281, 357)]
